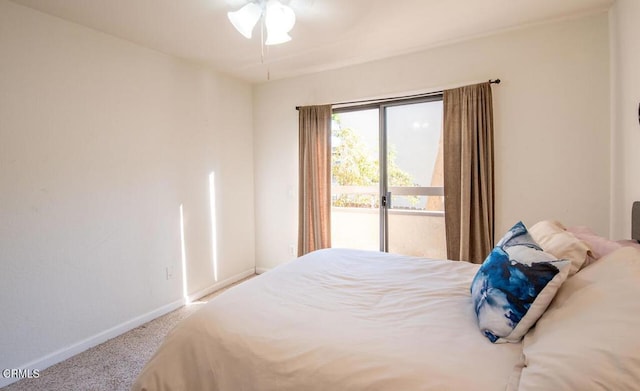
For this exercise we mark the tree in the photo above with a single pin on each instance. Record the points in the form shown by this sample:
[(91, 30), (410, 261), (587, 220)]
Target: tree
[(353, 164)]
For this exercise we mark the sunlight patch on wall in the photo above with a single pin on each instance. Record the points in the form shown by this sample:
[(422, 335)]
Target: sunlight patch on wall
[(214, 242)]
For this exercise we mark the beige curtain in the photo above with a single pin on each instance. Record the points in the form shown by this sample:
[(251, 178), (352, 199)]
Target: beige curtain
[(468, 167), (314, 219)]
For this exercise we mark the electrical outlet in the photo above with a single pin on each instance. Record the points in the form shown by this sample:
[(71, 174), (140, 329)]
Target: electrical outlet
[(169, 272), (292, 250)]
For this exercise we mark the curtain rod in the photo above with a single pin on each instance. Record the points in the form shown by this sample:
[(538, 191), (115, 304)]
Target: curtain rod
[(494, 81)]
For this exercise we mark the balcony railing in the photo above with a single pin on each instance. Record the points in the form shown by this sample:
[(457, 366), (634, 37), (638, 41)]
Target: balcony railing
[(412, 231), (424, 208)]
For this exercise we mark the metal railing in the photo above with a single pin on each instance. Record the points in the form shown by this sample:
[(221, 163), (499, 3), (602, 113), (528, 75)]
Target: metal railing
[(415, 191)]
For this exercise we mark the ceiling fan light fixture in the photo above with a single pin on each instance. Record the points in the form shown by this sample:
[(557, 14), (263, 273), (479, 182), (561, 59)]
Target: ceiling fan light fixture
[(246, 18), (279, 17), (277, 37)]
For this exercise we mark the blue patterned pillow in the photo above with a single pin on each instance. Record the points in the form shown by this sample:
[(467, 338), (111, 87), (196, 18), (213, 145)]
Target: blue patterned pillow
[(514, 286)]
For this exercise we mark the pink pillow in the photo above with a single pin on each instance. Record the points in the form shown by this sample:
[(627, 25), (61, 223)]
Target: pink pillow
[(599, 245), (581, 229)]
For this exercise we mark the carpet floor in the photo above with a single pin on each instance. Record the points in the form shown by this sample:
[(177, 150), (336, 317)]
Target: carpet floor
[(115, 364)]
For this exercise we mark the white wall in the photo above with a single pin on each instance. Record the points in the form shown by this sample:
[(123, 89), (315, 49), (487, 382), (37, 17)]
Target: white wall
[(101, 141), (551, 123), (625, 152)]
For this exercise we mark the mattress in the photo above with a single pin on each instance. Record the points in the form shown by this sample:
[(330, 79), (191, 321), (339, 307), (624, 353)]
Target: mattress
[(338, 319)]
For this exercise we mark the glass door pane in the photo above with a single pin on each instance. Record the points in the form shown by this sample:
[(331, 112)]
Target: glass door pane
[(415, 179), (355, 180)]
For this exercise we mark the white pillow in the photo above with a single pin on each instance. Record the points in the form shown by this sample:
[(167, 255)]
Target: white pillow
[(554, 239), (589, 337)]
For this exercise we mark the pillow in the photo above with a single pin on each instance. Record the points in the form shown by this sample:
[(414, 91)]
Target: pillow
[(629, 243), (600, 246), (553, 238), (588, 338), (514, 286)]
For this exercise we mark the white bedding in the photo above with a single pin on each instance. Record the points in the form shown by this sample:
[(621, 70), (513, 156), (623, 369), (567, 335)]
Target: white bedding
[(338, 320)]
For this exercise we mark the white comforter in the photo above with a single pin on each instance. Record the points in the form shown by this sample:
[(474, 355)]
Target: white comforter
[(338, 320)]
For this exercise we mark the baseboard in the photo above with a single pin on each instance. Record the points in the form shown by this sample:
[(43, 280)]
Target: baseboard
[(79, 347), (260, 270), (219, 285)]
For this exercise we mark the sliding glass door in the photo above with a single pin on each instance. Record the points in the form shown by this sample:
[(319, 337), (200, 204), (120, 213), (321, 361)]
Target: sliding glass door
[(414, 214), (355, 179), (387, 178)]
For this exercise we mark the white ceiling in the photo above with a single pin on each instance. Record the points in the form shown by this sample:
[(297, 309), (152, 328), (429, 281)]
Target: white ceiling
[(328, 33)]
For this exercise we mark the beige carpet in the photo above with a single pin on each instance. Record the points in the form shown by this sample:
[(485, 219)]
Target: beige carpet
[(113, 365)]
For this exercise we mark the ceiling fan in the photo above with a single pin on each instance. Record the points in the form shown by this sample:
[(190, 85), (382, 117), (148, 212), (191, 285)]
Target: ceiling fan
[(277, 17)]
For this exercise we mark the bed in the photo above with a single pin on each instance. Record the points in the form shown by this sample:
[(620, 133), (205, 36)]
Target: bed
[(340, 319)]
